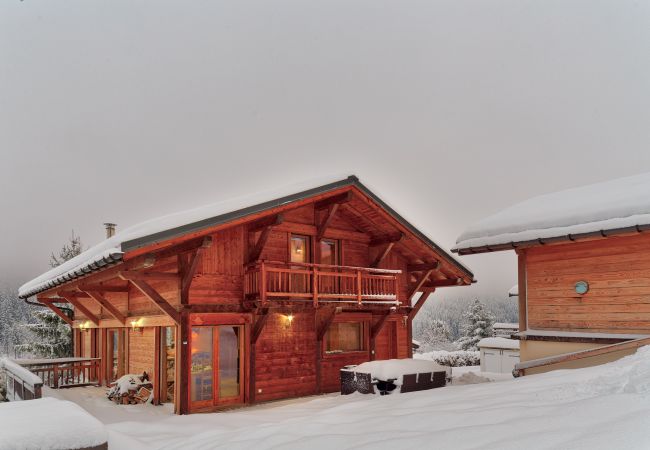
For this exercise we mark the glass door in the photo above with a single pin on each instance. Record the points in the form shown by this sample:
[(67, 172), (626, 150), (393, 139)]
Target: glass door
[(329, 254), (216, 370), (168, 362)]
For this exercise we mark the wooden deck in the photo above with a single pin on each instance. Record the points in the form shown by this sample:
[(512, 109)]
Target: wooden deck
[(320, 283)]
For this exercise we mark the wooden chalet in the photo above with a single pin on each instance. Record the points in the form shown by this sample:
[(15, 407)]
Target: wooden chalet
[(250, 300), (583, 272)]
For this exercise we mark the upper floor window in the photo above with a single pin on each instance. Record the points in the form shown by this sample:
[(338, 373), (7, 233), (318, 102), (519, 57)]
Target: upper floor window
[(299, 249), (329, 252)]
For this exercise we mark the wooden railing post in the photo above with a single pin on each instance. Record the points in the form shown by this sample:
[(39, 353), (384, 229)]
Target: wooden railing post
[(359, 293), (55, 374), (314, 288), (263, 283)]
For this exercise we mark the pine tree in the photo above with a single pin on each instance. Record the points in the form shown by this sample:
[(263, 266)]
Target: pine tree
[(478, 325), (14, 314), (53, 335)]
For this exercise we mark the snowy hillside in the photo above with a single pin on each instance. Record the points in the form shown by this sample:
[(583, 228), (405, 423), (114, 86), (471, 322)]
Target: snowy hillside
[(603, 407)]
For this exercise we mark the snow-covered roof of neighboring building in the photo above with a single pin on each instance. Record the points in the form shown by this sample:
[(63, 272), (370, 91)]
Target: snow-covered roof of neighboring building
[(111, 250), (498, 342), (500, 325), (611, 207)]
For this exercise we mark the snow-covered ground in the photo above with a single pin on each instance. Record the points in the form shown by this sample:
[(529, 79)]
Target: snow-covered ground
[(601, 407)]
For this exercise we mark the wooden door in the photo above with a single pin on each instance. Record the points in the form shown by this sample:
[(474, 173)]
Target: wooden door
[(216, 371)]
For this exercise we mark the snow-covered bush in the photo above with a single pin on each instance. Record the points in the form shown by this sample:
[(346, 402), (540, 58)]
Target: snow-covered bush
[(458, 358)]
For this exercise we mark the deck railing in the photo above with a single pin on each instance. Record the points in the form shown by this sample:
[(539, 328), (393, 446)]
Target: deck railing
[(321, 283), (20, 383), (63, 372)]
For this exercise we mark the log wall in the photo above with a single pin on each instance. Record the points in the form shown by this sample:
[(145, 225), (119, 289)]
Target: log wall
[(618, 272)]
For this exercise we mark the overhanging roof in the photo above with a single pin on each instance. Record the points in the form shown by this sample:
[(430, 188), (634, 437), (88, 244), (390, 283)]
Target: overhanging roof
[(110, 251)]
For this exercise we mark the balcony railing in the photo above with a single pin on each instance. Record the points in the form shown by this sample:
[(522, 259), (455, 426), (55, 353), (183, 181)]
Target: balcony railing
[(320, 283), (63, 372)]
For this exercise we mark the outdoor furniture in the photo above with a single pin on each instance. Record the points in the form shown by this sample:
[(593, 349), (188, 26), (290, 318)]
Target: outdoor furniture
[(385, 377)]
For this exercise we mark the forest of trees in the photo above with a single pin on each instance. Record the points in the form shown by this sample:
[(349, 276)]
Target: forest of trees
[(29, 330), (458, 324)]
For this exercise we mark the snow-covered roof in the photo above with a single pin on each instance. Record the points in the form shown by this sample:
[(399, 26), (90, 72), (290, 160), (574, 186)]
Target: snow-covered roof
[(514, 291), (614, 206), (498, 342), (505, 325), (110, 251)]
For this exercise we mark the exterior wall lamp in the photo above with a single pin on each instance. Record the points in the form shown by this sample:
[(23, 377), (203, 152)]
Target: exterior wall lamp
[(136, 325)]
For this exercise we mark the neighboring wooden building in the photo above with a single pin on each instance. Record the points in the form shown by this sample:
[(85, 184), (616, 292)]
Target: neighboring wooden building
[(253, 300), (584, 271)]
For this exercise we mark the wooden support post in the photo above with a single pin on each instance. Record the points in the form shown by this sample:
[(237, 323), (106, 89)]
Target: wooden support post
[(263, 284), (81, 307), (359, 288), (419, 304), (382, 255), (522, 298), (374, 332), (314, 287), (157, 365), (108, 306), (321, 329), (266, 226), (256, 331), (184, 362)]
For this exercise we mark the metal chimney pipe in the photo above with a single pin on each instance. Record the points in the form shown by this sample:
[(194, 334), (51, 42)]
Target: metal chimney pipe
[(110, 229)]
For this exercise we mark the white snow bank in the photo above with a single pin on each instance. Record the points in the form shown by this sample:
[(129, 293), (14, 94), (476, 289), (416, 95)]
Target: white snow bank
[(48, 423), (22, 373), (498, 342), (604, 407), (620, 203)]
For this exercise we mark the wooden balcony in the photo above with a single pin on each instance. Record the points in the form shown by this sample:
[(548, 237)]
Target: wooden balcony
[(320, 283)]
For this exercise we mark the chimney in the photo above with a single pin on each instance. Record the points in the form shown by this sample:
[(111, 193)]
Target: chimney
[(110, 229)]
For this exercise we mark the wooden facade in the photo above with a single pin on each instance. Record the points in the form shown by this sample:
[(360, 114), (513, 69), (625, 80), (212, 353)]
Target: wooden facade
[(267, 306), (617, 270)]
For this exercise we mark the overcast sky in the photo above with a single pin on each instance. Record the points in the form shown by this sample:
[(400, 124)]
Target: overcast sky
[(452, 110)]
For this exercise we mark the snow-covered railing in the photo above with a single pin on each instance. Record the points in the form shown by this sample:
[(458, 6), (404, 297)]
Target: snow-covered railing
[(63, 372), (21, 384), (521, 368)]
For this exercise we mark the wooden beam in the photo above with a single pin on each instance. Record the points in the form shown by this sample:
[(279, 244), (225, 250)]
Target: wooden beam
[(418, 284), (387, 239), (334, 200), (58, 312), (132, 275), (382, 255), (423, 266), (189, 270), (443, 283), (376, 329), (259, 246), (259, 325), (80, 306), (108, 306), (102, 288), (326, 324), (418, 305), (270, 221), (326, 221), (157, 299)]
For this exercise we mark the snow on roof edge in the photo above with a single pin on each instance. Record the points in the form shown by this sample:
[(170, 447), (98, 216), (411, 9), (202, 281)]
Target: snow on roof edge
[(111, 250), (615, 206)]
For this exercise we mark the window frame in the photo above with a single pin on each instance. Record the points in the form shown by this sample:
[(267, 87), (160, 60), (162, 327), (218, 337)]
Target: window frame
[(364, 321)]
